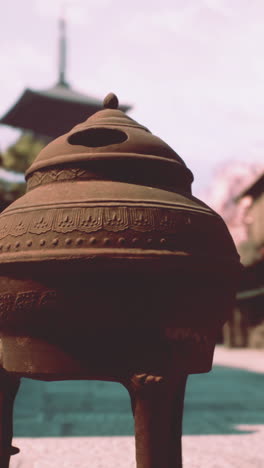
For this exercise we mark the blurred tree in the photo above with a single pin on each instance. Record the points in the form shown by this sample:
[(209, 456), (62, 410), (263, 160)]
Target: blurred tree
[(21, 154), (14, 161)]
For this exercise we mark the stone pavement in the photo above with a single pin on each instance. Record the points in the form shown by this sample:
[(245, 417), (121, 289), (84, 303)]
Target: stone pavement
[(118, 452), (91, 423)]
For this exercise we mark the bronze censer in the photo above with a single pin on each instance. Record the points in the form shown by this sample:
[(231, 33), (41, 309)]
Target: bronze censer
[(111, 270)]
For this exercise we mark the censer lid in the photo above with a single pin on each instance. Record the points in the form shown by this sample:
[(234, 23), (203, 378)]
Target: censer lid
[(109, 134)]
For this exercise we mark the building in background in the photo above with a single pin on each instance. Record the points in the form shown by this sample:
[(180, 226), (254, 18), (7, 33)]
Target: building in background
[(236, 193), (54, 111), (42, 116), (246, 326)]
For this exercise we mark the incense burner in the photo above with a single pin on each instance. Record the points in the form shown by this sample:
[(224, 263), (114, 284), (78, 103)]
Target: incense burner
[(111, 269)]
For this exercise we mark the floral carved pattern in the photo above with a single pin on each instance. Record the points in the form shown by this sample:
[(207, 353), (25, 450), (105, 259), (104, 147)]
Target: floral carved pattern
[(41, 223), (91, 219)]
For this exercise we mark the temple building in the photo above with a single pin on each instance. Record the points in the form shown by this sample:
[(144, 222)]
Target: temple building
[(53, 111), (246, 326), (42, 115)]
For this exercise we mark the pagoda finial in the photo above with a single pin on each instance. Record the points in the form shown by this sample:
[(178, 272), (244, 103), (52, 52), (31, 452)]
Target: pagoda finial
[(62, 47)]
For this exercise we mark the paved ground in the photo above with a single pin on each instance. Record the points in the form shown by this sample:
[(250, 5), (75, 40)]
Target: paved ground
[(89, 424)]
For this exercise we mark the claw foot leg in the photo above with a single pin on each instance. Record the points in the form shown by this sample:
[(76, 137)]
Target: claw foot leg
[(157, 403)]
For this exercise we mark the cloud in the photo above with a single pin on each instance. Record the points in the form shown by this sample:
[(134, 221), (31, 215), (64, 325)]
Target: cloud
[(78, 13)]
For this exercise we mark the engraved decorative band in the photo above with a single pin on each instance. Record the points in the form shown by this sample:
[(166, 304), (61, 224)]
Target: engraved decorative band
[(26, 301), (57, 174), (91, 219)]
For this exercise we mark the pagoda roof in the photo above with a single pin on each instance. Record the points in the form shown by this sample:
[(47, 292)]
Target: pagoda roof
[(52, 112)]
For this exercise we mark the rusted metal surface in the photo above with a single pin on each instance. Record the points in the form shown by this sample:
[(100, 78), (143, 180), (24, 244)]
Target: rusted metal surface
[(111, 269), (9, 385)]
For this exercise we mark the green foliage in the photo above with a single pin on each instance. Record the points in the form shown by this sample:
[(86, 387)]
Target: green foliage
[(9, 193), (22, 153), (18, 157)]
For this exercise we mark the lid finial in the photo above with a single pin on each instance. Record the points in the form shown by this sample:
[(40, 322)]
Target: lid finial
[(111, 101)]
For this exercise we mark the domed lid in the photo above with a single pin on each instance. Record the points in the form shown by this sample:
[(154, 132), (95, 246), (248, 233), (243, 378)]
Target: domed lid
[(109, 134)]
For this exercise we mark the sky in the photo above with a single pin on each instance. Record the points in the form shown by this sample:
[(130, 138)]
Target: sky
[(193, 70)]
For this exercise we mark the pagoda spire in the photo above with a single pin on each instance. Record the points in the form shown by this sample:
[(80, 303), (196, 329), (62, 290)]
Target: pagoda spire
[(62, 48)]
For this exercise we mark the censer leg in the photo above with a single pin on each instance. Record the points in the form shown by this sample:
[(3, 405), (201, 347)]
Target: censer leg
[(177, 407), (8, 390), (157, 404)]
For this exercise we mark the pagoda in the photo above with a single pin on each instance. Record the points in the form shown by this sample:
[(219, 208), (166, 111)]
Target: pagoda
[(53, 111)]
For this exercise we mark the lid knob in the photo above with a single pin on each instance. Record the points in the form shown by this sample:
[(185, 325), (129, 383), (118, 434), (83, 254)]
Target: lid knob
[(111, 101)]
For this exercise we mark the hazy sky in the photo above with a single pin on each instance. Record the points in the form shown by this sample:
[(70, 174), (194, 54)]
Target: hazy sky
[(192, 69)]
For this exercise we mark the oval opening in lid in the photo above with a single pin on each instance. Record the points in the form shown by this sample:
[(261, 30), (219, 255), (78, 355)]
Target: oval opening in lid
[(97, 137)]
